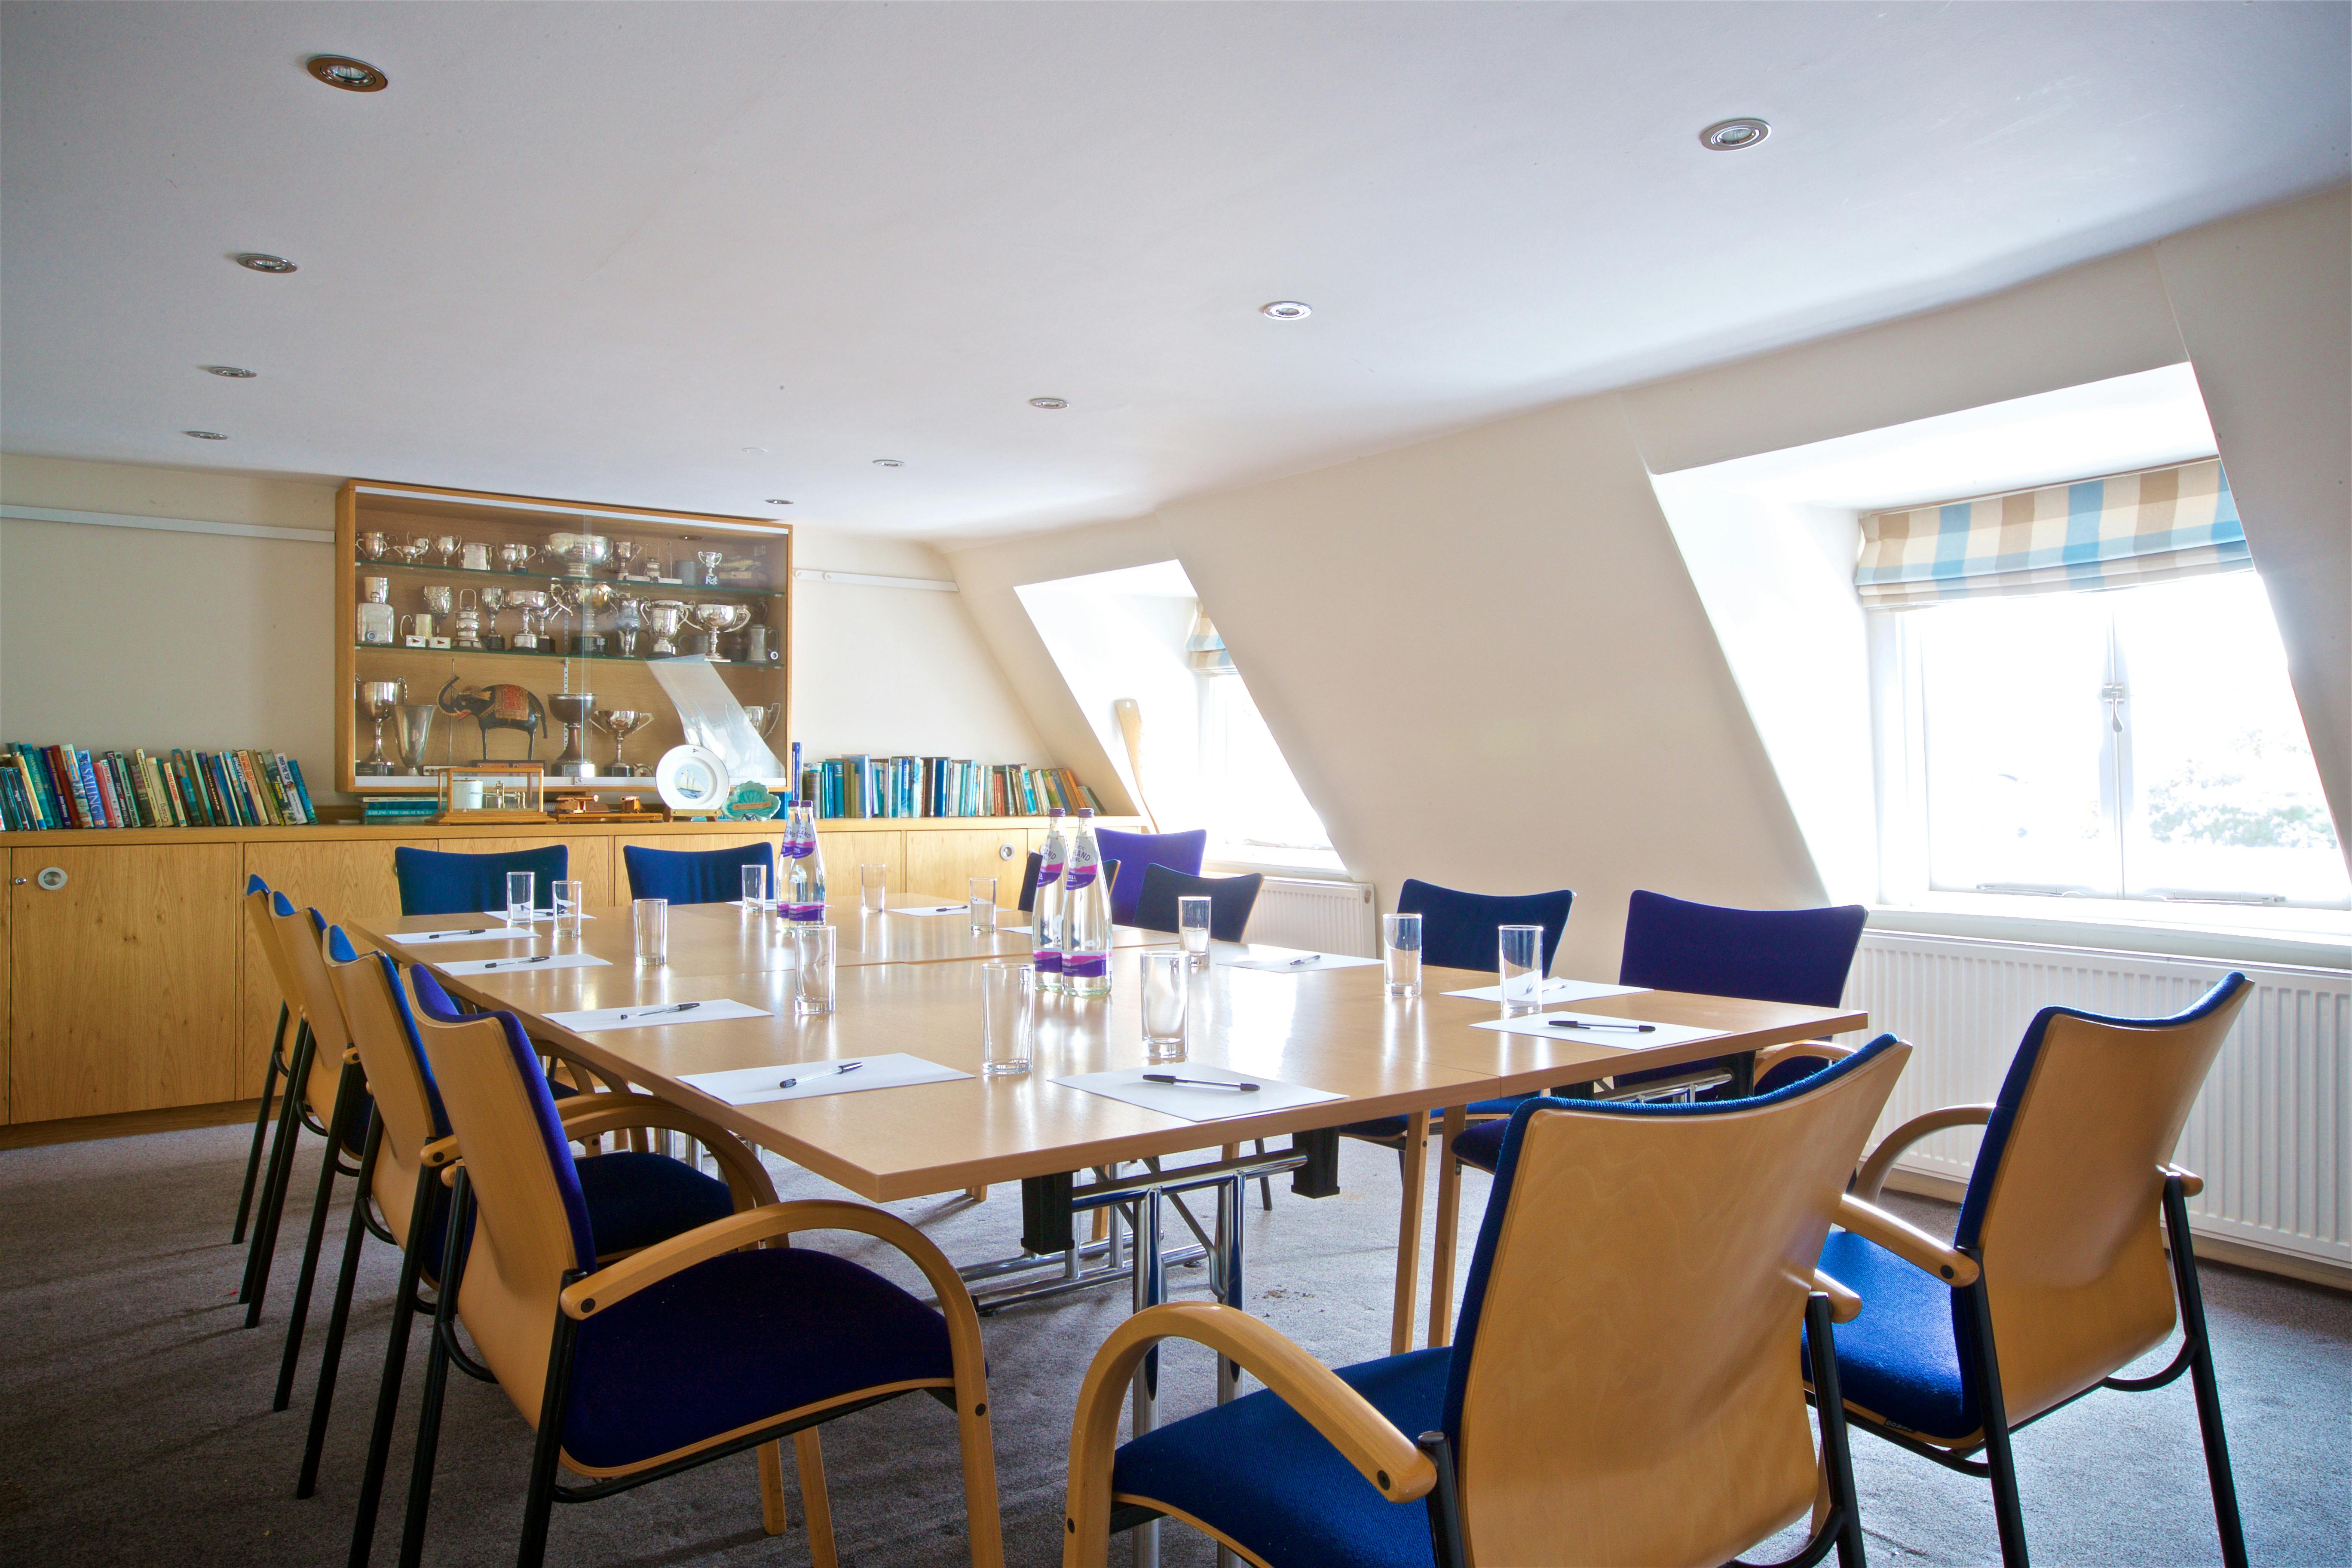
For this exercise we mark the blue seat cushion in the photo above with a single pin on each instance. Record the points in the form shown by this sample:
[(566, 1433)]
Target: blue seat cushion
[(1900, 1358), (1482, 1146), (636, 1199), (734, 1341), (1256, 1470), (1393, 1126)]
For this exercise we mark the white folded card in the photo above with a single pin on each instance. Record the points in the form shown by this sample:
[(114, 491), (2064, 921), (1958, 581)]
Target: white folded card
[(932, 909), (758, 1086), (1631, 1033), (545, 961), (469, 934), (1289, 961), (1197, 1103), (647, 1016), (1558, 991)]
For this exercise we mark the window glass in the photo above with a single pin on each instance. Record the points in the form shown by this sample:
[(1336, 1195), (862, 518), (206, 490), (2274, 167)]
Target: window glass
[(1256, 809)]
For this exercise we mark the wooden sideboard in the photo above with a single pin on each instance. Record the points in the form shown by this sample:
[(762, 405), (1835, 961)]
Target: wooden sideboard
[(135, 985)]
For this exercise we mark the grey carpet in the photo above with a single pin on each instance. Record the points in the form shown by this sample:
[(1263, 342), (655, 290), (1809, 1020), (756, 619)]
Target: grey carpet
[(134, 1410)]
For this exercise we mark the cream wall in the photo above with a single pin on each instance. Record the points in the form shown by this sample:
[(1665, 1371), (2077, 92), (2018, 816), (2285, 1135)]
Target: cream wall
[(122, 637)]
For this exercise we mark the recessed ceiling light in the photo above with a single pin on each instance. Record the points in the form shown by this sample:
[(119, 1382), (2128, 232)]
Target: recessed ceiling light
[(1049, 403), (233, 371), (888, 463), (1286, 309), (1733, 135), (351, 75), (206, 434), (773, 501), (257, 261)]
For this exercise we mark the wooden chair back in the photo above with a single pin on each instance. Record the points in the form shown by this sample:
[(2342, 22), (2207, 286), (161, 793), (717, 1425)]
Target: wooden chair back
[(261, 907), (1627, 1385), (2063, 1208), (384, 1029), (530, 1221), (299, 932)]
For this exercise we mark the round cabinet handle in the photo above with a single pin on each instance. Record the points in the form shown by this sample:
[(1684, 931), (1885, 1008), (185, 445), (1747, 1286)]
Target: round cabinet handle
[(51, 877), (22, 880), (1004, 852)]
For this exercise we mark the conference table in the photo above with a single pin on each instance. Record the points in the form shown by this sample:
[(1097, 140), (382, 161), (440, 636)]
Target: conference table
[(910, 983)]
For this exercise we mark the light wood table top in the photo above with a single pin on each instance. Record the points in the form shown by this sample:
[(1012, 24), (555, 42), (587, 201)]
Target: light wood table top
[(1331, 1029)]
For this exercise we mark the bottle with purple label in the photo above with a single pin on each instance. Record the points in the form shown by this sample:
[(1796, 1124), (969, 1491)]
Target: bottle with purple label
[(1086, 916), (800, 898), (1046, 932)]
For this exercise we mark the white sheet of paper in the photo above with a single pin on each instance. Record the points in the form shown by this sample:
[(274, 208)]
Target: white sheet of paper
[(1558, 990), (1541, 1024), (545, 961), (650, 1014), (469, 933), (1284, 959), (1197, 1104), (758, 1086), (536, 915), (932, 909)]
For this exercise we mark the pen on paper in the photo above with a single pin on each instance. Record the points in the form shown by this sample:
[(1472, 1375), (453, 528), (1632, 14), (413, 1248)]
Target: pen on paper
[(649, 1012), (845, 1066), (1580, 1023), (1310, 958), (511, 963), (1198, 1082)]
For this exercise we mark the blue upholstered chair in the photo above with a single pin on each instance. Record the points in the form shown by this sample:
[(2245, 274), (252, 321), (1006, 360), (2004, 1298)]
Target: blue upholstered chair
[(1230, 899), (704, 1345), (695, 875), (1177, 851), (259, 902), (1622, 1392), (2056, 1278), (633, 1199), (433, 883), (1035, 868)]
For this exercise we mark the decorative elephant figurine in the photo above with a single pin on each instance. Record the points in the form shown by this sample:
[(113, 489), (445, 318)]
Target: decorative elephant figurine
[(498, 707)]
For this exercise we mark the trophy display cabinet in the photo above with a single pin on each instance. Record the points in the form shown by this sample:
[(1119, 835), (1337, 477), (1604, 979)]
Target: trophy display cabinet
[(476, 628)]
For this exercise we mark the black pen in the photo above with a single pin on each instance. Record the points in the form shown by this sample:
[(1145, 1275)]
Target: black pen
[(1580, 1023), (1310, 958), (845, 1066), (510, 963), (1201, 1082), (679, 1007)]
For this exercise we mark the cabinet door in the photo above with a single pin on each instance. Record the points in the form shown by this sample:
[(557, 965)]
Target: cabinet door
[(125, 980), (589, 860), (845, 852), (688, 842), (939, 861), (345, 881)]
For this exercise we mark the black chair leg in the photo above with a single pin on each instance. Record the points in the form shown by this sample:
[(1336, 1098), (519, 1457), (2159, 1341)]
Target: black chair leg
[(331, 1358), (539, 1501), (2006, 1513), (2200, 1376), (330, 1166), (260, 1132), (1265, 1183), (1837, 1456), (396, 1364), (263, 1248), (437, 1386)]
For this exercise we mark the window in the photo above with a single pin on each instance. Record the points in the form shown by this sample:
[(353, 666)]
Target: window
[(1255, 809), (2138, 743)]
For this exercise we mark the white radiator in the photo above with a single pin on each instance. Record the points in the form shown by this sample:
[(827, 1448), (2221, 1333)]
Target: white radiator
[(2272, 1133), (1318, 916)]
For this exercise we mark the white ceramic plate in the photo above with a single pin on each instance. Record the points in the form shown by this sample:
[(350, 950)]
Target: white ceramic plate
[(691, 778)]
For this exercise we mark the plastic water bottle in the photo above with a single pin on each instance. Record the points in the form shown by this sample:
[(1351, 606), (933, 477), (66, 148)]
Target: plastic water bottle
[(1086, 916), (1045, 932), (801, 899)]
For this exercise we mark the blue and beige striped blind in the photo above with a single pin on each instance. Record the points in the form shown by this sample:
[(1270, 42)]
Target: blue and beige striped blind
[(2113, 533)]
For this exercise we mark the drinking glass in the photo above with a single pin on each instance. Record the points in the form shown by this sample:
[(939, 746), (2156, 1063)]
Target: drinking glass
[(1520, 961), (870, 890), (567, 908), (1400, 953), (651, 919), (1164, 996), (1193, 925), (755, 888), (522, 891), (983, 905), (814, 991), (1007, 993)]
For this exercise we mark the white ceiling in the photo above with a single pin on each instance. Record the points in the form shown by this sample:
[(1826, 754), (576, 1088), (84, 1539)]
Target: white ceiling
[(598, 251)]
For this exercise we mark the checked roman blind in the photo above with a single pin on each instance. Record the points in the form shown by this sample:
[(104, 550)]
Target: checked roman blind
[(2112, 533)]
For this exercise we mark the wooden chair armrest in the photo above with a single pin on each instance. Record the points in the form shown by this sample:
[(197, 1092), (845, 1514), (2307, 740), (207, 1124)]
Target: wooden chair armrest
[(440, 1152), (1844, 1305), (1386, 1456), (1906, 1241), (588, 1100), (2192, 1183), (1873, 1175), (747, 1179), (1771, 1056)]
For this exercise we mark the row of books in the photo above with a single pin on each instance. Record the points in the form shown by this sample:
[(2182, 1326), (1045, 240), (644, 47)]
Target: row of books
[(938, 786), (43, 787)]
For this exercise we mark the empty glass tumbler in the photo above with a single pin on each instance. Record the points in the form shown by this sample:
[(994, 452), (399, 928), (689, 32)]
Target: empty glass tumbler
[(871, 890), (984, 906), (650, 920), (1165, 994), (1519, 964), (1193, 925), (755, 888), (813, 991), (567, 908), (522, 891), (1008, 995), (1400, 953)]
